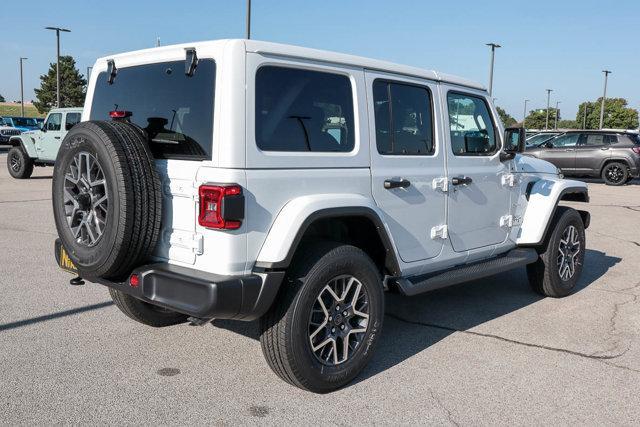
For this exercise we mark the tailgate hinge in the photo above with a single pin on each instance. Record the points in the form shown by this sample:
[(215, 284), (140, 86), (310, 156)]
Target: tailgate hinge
[(509, 179), (506, 221), (441, 183), (193, 241), (439, 232)]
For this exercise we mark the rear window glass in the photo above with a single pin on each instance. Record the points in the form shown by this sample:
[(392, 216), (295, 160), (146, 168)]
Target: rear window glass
[(174, 109), (635, 138), (302, 110)]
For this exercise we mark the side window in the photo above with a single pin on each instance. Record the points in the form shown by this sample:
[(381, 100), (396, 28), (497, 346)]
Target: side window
[(471, 126), (403, 119), (71, 120), (54, 121), (594, 139), (303, 110), (568, 140), (610, 139)]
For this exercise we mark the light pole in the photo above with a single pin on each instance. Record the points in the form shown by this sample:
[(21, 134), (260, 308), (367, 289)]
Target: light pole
[(493, 55), (524, 115), (546, 122), (88, 73), (57, 30), (248, 19), (21, 89), (584, 119), (556, 123), (604, 95)]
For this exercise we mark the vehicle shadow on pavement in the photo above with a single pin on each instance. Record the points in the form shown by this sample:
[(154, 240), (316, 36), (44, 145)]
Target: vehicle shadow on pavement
[(413, 324)]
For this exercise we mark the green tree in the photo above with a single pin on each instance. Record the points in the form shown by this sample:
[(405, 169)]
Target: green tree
[(568, 124), (72, 86), (616, 114), (537, 118), (2, 98), (507, 120)]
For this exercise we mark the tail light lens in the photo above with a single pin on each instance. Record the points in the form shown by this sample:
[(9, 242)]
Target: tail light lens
[(636, 150), (221, 206), (120, 114)]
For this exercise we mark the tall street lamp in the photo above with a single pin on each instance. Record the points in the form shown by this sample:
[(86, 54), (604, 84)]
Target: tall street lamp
[(546, 122), (604, 95), (524, 114), (556, 123), (21, 89), (493, 55), (58, 30)]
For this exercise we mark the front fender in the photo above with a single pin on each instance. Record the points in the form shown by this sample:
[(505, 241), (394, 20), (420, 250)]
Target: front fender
[(544, 196), (27, 143), (294, 218)]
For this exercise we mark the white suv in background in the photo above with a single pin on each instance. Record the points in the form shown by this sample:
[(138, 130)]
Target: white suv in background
[(239, 179)]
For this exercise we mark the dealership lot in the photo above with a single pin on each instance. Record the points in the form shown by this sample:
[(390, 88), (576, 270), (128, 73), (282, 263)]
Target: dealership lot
[(486, 352)]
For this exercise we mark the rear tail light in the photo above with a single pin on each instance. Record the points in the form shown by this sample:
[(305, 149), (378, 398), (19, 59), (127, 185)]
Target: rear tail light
[(134, 281), (221, 206), (120, 114), (636, 150)]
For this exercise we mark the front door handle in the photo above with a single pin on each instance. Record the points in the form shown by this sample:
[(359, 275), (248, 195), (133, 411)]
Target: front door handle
[(569, 149), (461, 180), (393, 183), (604, 148), (56, 137)]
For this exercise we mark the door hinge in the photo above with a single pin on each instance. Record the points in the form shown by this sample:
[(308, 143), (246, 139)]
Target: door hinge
[(440, 183), (509, 179), (439, 232), (506, 221), (180, 188)]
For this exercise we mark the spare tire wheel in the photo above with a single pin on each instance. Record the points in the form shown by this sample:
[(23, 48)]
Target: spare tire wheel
[(107, 198)]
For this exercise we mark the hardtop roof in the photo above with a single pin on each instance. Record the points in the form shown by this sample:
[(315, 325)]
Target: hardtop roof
[(279, 49)]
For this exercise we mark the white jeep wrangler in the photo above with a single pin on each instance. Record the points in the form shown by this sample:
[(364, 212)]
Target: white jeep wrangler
[(239, 179)]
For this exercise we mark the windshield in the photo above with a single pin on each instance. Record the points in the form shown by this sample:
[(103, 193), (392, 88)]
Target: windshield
[(24, 121), (175, 110), (540, 138)]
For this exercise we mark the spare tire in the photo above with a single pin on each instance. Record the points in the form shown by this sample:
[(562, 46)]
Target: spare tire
[(107, 198)]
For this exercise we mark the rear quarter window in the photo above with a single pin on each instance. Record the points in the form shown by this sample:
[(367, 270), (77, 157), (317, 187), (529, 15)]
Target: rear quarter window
[(175, 110)]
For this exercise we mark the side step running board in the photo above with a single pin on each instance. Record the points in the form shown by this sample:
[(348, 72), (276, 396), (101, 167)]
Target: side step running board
[(515, 258)]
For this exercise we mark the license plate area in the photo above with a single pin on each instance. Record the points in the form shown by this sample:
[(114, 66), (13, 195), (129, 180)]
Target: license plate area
[(64, 262)]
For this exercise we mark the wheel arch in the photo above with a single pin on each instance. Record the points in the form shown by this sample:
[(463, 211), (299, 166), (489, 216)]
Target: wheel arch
[(544, 196), (360, 225), (28, 146), (616, 159)]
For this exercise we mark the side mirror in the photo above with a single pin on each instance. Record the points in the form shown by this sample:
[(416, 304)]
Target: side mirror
[(514, 142)]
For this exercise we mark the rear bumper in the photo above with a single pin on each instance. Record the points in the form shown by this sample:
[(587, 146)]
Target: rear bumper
[(201, 294)]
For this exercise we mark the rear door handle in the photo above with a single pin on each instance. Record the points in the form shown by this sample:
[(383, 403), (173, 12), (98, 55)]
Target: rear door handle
[(569, 149), (393, 183), (461, 180), (56, 137), (604, 148)]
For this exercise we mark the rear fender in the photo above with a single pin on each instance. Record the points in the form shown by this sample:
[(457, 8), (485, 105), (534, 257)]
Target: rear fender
[(295, 217), (544, 196)]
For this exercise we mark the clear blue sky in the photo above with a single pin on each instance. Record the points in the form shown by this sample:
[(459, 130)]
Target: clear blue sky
[(560, 44)]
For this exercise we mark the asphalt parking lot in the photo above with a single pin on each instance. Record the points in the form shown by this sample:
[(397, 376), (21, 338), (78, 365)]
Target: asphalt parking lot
[(486, 352)]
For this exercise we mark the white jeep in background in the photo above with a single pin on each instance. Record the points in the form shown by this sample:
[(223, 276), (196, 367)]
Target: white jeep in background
[(40, 147), (239, 179)]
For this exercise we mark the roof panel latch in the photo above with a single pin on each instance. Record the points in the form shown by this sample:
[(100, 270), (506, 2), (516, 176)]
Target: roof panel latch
[(111, 71), (191, 61)]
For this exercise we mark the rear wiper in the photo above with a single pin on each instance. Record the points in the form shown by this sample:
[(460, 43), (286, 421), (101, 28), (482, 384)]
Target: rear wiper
[(191, 61), (111, 71)]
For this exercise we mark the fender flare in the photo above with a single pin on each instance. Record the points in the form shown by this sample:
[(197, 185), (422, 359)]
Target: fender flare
[(533, 230), (17, 141), (274, 256)]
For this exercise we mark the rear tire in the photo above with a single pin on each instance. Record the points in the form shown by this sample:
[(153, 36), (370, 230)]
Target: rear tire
[(19, 163), (297, 325), (145, 313), (558, 268), (615, 173)]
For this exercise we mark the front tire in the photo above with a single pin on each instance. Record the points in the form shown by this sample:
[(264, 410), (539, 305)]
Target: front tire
[(145, 313), (19, 163), (321, 331), (558, 268), (615, 173)]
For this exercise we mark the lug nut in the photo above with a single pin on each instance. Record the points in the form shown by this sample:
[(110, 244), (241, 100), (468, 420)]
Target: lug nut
[(342, 327), (330, 318), (333, 330), (344, 313), (337, 308)]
